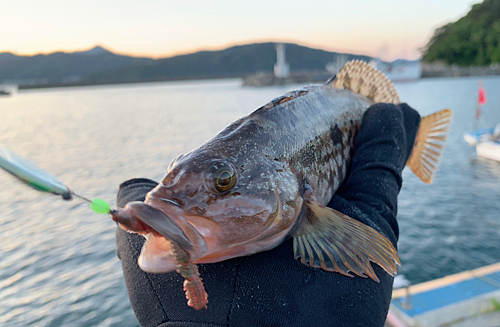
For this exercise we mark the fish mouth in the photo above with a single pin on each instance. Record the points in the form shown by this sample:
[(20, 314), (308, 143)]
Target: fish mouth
[(176, 214), (143, 218)]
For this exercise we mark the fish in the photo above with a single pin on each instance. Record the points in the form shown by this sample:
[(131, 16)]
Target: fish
[(267, 177)]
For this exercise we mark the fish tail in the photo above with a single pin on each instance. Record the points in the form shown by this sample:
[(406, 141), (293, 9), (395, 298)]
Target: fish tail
[(429, 144), (359, 77)]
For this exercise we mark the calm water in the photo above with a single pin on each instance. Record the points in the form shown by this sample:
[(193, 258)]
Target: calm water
[(57, 259)]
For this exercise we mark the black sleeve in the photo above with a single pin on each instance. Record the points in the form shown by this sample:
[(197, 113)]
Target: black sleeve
[(272, 288)]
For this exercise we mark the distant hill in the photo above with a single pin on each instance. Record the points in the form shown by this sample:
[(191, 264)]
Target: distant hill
[(4, 56), (236, 61), (61, 67), (473, 40), (100, 66)]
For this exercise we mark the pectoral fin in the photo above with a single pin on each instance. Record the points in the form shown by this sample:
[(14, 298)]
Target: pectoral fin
[(336, 242)]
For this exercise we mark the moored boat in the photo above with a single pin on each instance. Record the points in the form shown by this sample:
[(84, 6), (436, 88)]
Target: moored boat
[(486, 141), (470, 298), (399, 70), (8, 89)]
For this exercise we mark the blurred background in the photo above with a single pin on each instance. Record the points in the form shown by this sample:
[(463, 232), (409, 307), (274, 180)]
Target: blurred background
[(98, 92)]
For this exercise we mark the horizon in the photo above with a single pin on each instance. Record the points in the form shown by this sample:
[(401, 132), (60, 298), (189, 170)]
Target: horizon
[(387, 29), (106, 48)]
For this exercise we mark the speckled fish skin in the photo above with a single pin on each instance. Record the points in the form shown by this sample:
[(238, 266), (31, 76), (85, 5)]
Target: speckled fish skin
[(296, 148)]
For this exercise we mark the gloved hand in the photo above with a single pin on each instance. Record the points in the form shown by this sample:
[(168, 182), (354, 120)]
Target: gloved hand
[(272, 288)]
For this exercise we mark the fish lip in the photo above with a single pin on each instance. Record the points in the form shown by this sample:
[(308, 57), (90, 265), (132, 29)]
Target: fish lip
[(176, 214), (169, 201), (161, 223)]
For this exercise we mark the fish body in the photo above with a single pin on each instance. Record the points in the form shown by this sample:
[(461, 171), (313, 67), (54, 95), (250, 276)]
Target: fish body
[(282, 154), (267, 177)]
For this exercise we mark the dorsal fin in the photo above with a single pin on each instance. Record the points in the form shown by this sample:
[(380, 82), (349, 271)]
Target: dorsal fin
[(359, 77)]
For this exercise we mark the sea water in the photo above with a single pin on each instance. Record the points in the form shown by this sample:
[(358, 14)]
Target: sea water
[(58, 264)]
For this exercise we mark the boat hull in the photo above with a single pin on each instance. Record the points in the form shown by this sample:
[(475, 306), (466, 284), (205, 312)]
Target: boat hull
[(487, 145), (489, 150), (465, 299)]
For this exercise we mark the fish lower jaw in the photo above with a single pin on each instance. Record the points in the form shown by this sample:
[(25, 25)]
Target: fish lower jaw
[(156, 255), (240, 250), (178, 217)]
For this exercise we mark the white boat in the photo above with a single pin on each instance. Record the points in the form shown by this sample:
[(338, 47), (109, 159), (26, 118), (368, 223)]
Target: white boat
[(396, 71), (489, 150), (399, 70), (8, 89), (486, 141)]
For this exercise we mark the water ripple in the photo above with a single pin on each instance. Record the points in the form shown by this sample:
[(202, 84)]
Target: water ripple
[(58, 265)]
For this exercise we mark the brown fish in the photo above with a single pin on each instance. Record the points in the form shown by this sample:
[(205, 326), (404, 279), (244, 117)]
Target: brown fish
[(267, 177)]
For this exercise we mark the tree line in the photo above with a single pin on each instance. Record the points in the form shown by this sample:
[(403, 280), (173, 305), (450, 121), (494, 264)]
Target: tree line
[(473, 40)]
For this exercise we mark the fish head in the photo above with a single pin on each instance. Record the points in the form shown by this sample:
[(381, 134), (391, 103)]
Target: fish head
[(225, 207)]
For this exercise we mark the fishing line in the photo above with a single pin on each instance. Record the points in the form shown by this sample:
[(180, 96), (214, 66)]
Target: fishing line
[(81, 197), (42, 181)]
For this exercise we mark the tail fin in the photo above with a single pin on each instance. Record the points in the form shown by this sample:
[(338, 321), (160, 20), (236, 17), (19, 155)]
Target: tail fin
[(359, 77), (429, 144)]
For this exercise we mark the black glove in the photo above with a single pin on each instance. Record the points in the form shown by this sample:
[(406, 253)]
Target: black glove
[(272, 288)]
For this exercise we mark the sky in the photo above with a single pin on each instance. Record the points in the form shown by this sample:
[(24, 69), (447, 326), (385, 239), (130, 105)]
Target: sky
[(389, 29)]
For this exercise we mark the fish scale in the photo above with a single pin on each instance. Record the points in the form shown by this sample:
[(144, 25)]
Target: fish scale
[(321, 155)]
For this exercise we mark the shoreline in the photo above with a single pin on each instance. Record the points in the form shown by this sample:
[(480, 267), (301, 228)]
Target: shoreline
[(428, 71), (442, 70)]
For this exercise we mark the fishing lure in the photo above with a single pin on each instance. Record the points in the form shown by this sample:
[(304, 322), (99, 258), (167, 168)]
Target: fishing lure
[(41, 180), (193, 286)]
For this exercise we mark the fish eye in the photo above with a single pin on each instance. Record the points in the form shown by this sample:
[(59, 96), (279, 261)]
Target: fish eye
[(221, 176)]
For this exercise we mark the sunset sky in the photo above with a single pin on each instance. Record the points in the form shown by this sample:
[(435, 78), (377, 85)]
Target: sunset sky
[(161, 28)]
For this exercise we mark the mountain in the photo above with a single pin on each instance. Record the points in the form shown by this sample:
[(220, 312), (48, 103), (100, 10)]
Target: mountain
[(4, 56), (473, 40), (236, 61), (95, 51), (60, 67), (100, 66)]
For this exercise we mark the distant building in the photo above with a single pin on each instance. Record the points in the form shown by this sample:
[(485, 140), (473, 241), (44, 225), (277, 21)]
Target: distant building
[(281, 67)]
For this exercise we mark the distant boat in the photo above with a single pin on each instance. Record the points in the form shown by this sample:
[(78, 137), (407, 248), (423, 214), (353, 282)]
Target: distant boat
[(486, 141), (6, 90), (399, 70), (396, 71)]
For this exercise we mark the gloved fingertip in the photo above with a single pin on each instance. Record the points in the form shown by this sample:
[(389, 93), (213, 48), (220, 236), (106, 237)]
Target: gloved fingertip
[(134, 190), (380, 112), (411, 116), (136, 181)]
